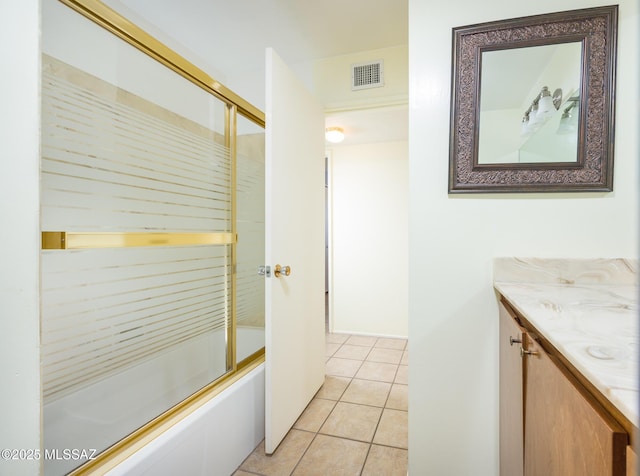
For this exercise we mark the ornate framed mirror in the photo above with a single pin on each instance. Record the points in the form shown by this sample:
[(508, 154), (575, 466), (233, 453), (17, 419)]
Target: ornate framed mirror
[(532, 103)]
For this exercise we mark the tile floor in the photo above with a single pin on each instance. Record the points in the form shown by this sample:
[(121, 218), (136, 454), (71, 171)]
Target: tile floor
[(357, 422)]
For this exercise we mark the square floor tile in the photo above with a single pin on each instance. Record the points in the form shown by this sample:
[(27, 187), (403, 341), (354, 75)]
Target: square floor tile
[(389, 356), (285, 458), (385, 461), (333, 387), (342, 367), (403, 375), (314, 415), (368, 341), (398, 398), (355, 352), (389, 343), (393, 429), (336, 338), (348, 420), (379, 371), (367, 392), (405, 358), (332, 456), (331, 349)]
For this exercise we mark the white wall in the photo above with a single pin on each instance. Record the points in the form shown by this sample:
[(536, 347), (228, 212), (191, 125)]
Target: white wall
[(332, 80), (453, 376), (20, 242), (368, 248)]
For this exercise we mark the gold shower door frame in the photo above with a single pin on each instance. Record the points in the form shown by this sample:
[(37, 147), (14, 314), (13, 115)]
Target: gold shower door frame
[(57, 239)]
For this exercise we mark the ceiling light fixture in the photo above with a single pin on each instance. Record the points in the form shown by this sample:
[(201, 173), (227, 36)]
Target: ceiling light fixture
[(541, 110), (334, 134), (569, 120)]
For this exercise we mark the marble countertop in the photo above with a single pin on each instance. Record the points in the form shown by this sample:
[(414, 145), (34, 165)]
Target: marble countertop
[(588, 310)]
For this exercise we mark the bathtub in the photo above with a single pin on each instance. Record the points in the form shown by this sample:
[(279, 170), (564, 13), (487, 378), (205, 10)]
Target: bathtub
[(213, 440)]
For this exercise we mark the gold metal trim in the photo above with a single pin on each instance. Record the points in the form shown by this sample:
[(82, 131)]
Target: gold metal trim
[(68, 240), (126, 447), (108, 18), (230, 137)]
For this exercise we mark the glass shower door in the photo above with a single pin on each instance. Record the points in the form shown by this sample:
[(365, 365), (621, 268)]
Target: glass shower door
[(138, 243), (250, 222)]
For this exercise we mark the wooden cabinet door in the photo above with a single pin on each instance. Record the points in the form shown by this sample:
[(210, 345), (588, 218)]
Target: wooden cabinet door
[(511, 406), (567, 433)]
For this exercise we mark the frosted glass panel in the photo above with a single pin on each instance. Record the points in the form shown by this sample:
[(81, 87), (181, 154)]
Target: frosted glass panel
[(106, 310), (114, 161), (127, 333), (251, 245), (131, 327)]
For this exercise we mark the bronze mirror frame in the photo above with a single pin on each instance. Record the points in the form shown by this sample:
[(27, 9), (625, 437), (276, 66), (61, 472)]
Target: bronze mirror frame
[(596, 29)]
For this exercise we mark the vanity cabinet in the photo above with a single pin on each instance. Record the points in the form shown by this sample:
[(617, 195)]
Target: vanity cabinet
[(557, 427), (511, 397)]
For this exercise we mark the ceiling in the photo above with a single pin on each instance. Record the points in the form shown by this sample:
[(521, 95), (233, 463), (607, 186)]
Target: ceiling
[(366, 126), (233, 35)]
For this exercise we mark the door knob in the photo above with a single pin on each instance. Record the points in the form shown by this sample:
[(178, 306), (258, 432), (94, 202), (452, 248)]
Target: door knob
[(281, 270)]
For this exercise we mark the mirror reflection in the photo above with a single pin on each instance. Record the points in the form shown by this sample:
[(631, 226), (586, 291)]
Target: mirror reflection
[(529, 104)]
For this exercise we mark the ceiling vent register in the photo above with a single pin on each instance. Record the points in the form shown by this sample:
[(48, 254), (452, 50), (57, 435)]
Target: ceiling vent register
[(367, 75)]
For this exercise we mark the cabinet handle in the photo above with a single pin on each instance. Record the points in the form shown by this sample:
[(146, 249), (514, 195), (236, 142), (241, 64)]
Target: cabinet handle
[(527, 352), (513, 340)]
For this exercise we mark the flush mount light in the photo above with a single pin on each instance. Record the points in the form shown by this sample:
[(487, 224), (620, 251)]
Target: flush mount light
[(334, 134)]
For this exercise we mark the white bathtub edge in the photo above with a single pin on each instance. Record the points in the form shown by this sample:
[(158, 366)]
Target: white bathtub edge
[(214, 440)]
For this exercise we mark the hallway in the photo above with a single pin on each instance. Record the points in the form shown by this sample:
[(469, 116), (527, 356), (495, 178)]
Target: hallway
[(356, 423)]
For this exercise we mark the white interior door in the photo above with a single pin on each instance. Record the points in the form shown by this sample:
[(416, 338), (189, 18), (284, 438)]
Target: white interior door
[(294, 340)]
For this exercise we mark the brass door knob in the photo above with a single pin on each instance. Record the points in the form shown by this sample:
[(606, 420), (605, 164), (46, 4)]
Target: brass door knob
[(281, 270)]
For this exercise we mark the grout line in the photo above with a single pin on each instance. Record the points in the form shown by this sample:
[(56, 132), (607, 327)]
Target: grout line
[(304, 452), (339, 400), (366, 457)]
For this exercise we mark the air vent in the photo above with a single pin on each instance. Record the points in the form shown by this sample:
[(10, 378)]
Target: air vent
[(366, 75)]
